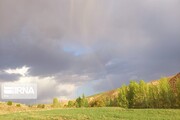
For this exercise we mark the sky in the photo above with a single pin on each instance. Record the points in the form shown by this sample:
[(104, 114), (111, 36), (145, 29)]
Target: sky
[(71, 47)]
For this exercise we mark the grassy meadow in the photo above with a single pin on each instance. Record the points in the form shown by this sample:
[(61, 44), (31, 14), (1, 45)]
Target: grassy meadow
[(104, 113)]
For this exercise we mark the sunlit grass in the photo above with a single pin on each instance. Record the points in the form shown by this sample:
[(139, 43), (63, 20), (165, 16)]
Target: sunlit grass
[(96, 114)]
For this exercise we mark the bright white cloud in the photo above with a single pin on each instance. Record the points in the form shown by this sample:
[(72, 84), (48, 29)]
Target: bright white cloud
[(49, 87), (21, 71)]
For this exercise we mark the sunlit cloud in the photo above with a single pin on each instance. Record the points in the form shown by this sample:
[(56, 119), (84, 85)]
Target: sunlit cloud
[(21, 71)]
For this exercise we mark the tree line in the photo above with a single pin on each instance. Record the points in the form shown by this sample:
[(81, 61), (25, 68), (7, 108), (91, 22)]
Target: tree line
[(143, 95), (138, 95)]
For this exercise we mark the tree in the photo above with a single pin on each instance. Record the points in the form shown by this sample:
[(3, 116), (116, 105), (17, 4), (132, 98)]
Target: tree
[(107, 102), (122, 97), (143, 95), (153, 96), (165, 93), (84, 102), (70, 104), (56, 102), (78, 102), (178, 92), (132, 93), (112, 102)]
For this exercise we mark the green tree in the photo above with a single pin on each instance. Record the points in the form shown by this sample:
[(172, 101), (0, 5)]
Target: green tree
[(107, 102), (132, 93), (165, 93), (178, 92), (142, 95), (70, 104), (84, 101), (78, 102), (122, 97), (111, 102), (56, 102), (154, 96)]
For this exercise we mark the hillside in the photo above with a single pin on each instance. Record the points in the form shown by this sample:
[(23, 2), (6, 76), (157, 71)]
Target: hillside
[(114, 93), (111, 94), (4, 108)]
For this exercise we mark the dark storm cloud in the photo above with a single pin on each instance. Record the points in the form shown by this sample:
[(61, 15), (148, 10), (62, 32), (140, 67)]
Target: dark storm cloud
[(110, 41), (5, 77)]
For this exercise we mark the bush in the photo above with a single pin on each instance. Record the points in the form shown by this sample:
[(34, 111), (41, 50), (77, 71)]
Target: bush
[(70, 104), (41, 106), (9, 103), (30, 106), (18, 105), (98, 103)]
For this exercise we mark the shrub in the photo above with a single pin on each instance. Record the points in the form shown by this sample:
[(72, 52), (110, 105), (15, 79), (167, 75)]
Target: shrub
[(18, 105), (40, 106), (70, 104), (9, 103), (30, 105), (98, 103)]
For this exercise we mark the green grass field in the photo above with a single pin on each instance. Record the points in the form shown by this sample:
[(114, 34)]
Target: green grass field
[(96, 114)]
